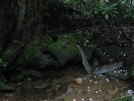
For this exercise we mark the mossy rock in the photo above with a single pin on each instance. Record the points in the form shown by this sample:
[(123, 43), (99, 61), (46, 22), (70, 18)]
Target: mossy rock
[(66, 37), (47, 39), (61, 53), (4, 86), (45, 42), (2, 78), (126, 98), (31, 52), (120, 76), (18, 78), (33, 73), (79, 39)]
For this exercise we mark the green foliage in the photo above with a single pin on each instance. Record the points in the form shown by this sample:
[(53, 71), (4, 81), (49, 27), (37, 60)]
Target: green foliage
[(111, 10), (126, 98), (106, 9), (3, 63), (127, 8), (99, 6), (31, 52)]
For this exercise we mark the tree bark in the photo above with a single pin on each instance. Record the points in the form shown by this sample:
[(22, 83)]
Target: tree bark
[(23, 25)]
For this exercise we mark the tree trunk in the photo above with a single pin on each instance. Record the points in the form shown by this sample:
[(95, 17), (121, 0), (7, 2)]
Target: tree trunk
[(22, 24), (29, 19)]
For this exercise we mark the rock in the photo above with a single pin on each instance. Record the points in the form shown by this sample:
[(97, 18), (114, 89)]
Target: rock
[(119, 76), (106, 53), (2, 78), (61, 52), (18, 78), (4, 86), (33, 54), (78, 81), (33, 73), (43, 86), (44, 42)]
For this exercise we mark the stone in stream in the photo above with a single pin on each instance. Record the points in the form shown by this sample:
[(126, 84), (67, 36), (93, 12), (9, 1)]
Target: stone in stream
[(108, 68)]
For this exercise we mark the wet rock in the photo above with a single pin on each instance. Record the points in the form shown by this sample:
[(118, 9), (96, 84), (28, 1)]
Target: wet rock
[(4, 86), (19, 84), (43, 86), (108, 68), (84, 60)]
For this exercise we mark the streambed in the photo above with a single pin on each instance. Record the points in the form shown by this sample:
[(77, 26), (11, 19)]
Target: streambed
[(63, 88)]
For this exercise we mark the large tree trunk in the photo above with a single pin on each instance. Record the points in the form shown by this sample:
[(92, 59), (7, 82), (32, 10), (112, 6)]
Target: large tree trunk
[(28, 19), (23, 25)]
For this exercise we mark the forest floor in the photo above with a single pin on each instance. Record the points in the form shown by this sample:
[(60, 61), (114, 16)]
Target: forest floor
[(64, 88)]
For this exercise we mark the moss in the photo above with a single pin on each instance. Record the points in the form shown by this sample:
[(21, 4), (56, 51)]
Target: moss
[(47, 39), (79, 39), (126, 98), (45, 42), (66, 37), (32, 51), (63, 54)]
